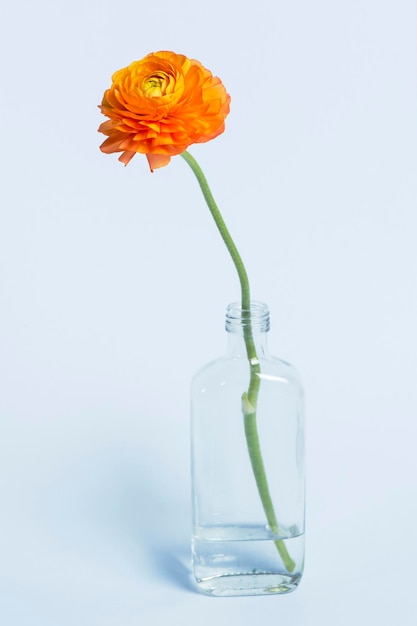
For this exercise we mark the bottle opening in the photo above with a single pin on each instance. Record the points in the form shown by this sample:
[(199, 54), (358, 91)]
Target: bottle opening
[(257, 316)]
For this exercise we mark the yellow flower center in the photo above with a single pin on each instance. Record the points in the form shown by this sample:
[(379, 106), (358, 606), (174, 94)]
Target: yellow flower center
[(155, 85)]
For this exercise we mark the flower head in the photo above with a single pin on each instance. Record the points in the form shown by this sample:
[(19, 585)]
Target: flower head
[(160, 105)]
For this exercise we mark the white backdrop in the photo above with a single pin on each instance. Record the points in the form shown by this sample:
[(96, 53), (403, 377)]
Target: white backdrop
[(114, 282)]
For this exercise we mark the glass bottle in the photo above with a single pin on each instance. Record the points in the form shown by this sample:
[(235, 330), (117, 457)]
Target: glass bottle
[(248, 524)]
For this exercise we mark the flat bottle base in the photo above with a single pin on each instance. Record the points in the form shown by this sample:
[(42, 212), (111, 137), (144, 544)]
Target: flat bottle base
[(249, 584)]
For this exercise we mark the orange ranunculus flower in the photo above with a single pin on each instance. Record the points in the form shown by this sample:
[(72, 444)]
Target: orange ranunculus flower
[(161, 105)]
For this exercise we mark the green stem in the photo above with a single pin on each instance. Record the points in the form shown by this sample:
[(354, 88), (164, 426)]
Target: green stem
[(249, 397)]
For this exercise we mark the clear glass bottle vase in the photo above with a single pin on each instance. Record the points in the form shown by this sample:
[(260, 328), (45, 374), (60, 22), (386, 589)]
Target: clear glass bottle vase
[(247, 465)]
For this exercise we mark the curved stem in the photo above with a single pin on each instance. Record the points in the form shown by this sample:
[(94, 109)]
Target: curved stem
[(221, 225), (249, 397)]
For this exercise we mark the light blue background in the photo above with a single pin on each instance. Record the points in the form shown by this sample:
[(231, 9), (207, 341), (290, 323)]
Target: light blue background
[(114, 283)]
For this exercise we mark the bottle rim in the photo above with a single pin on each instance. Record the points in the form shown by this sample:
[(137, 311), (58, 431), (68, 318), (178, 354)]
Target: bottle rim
[(256, 317)]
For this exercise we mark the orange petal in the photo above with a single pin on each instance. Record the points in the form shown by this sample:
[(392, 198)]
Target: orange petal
[(126, 156), (157, 160)]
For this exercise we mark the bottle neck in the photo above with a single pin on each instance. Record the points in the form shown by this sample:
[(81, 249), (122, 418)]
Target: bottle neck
[(239, 321)]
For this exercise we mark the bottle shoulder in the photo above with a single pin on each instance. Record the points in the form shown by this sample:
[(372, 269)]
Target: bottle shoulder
[(272, 369), (289, 370)]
